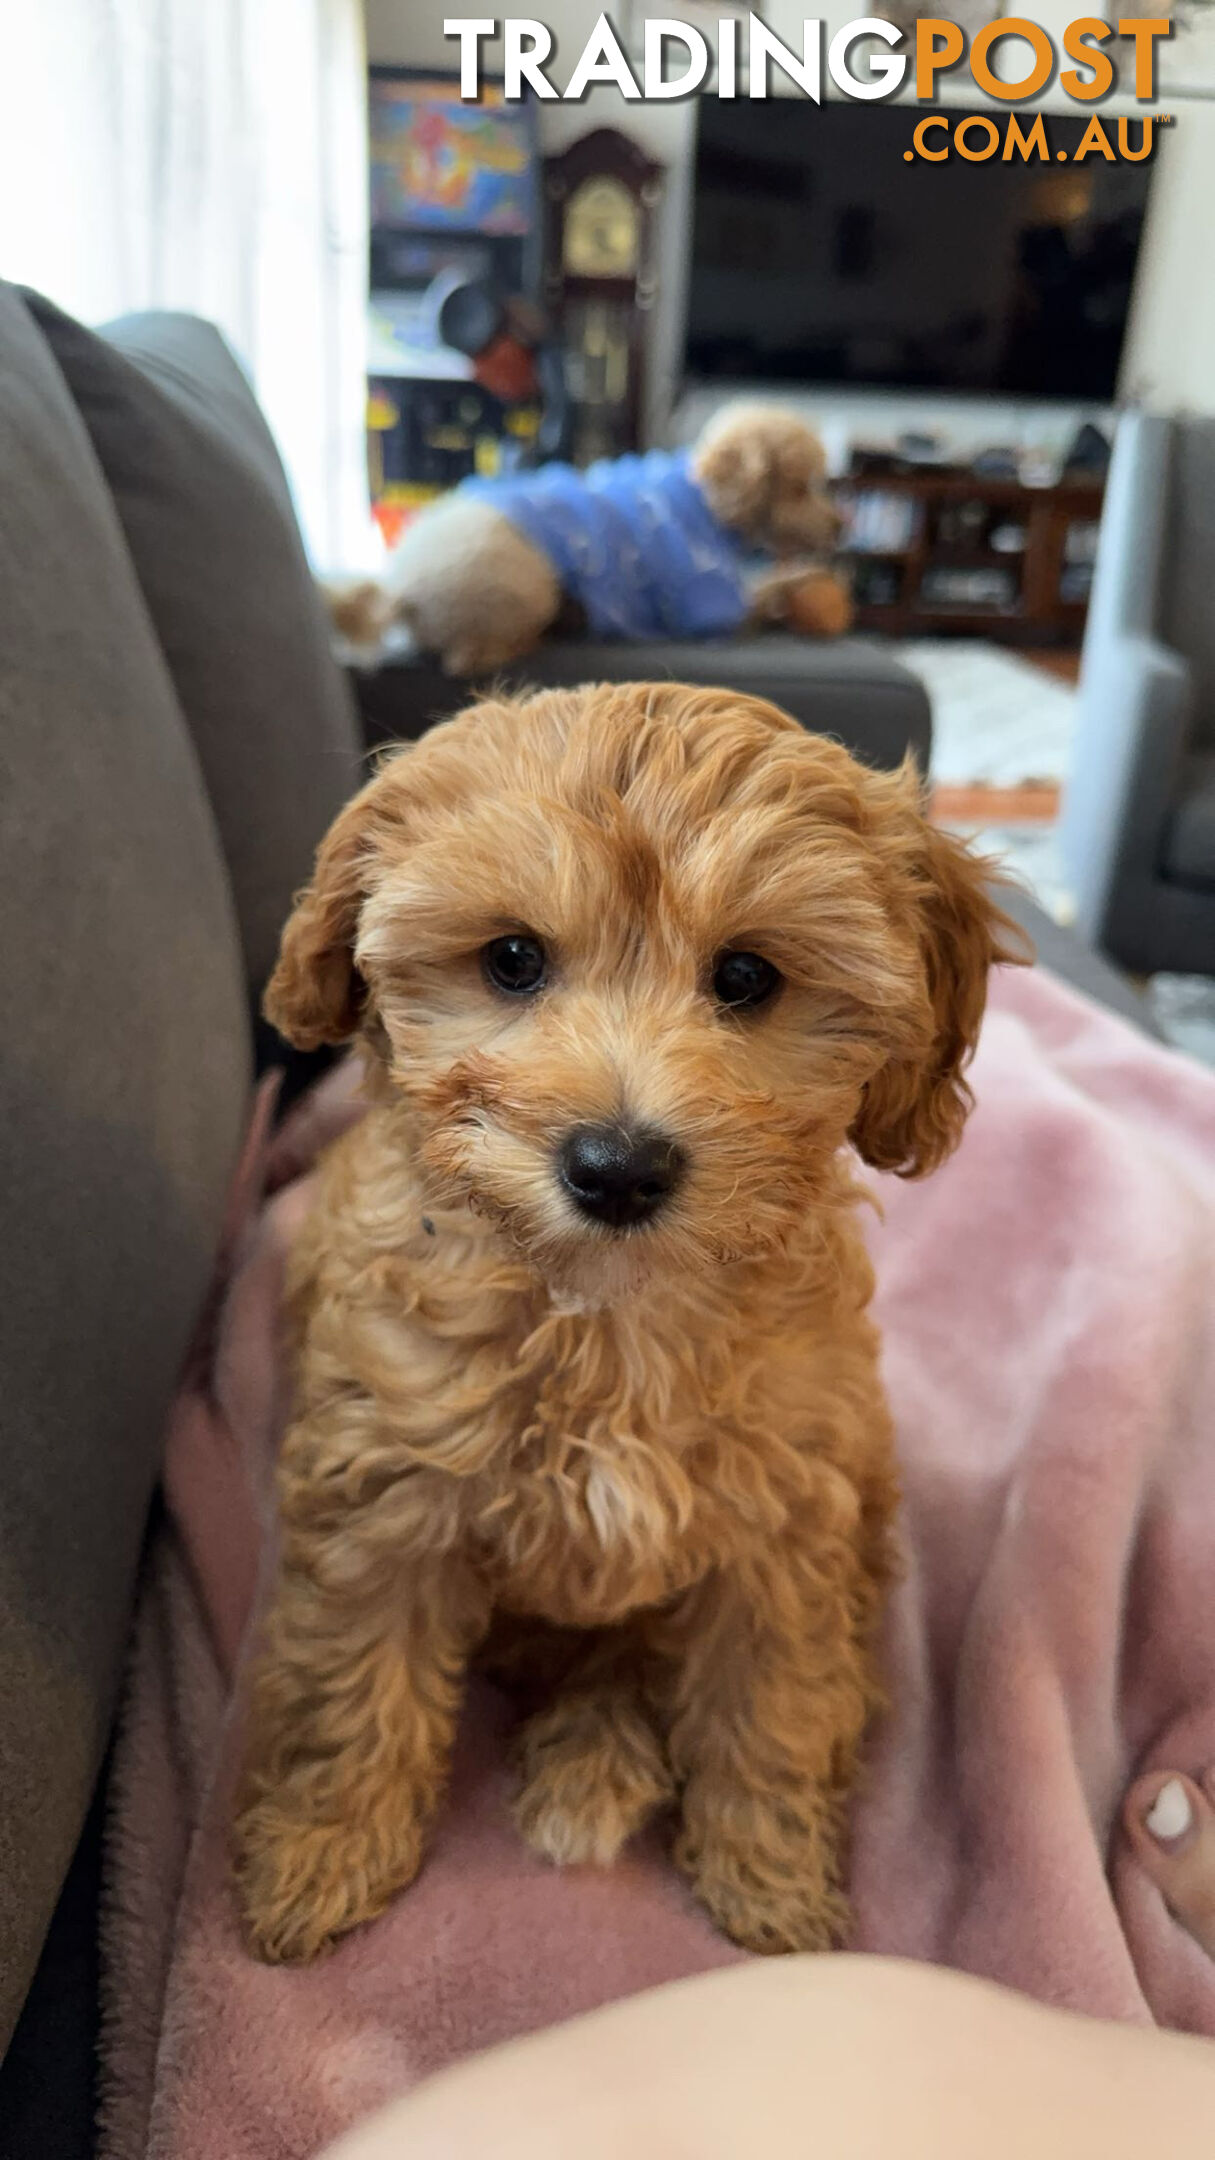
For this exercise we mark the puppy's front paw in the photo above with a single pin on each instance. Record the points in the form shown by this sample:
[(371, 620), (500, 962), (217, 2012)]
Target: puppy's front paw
[(593, 1773), (584, 1828), (770, 1916), (300, 1885)]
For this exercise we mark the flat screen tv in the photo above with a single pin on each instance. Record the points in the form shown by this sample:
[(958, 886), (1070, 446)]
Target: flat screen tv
[(821, 256)]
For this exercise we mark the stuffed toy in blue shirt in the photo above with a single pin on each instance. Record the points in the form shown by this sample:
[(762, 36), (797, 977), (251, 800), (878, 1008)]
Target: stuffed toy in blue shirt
[(634, 543), (667, 545)]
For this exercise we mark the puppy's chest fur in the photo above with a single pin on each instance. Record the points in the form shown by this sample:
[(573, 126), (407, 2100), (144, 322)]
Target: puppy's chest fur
[(586, 1463)]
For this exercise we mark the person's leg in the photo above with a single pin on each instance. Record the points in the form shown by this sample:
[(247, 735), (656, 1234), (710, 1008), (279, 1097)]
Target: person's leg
[(1170, 1821), (837, 2056)]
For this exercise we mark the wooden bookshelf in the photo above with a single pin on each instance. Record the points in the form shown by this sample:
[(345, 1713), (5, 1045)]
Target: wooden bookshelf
[(1036, 612)]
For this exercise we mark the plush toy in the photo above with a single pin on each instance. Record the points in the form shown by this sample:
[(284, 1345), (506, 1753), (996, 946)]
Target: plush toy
[(807, 597), (673, 544)]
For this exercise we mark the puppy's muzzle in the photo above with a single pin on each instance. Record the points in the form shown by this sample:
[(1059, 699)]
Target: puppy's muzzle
[(618, 1176)]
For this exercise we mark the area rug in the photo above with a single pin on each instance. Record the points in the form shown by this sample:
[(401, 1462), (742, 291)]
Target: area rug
[(998, 721)]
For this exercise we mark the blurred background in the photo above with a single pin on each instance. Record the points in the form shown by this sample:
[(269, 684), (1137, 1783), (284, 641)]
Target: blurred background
[(419, 289), (254, 161)]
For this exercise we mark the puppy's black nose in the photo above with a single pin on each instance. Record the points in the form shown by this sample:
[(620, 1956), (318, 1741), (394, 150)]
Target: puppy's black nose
[(619, 1177)]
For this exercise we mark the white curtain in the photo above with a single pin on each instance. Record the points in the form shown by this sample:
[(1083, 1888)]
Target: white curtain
[(209, 155)]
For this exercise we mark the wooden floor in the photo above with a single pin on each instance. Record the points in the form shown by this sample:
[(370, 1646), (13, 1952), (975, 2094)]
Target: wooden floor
[(1034, 804), (1066, 665)]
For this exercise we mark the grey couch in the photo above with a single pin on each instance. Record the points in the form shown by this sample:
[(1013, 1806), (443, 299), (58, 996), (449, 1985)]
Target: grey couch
[(850, 687), (1139, 817), (173, 739), (174, 736)]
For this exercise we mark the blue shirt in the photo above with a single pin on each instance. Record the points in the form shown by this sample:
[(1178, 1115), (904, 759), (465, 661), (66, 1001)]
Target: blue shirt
[(633, 540)]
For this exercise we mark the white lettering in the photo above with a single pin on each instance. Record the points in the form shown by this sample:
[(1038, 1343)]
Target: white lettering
[(657, 32), (603, 61), (764, 45), (526, 66), (470, 29), (886, 70), (727, 57)]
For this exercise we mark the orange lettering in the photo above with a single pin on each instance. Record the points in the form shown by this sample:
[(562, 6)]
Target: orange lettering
[(1135, 157), (931, 57), (1145, 29), (1035, 141), (920, 138), (976, 120), (1012, 26), (1079, 41), (1094, 138)]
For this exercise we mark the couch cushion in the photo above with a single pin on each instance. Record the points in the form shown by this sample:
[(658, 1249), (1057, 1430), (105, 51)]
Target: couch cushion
[(123, 1090), (1189, 836), (208, 520), (843, 686)]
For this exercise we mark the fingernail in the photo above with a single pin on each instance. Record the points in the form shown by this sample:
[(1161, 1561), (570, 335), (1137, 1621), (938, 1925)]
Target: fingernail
[(1170, 1814)]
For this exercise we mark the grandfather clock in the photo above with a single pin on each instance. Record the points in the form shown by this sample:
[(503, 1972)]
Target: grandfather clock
[(601, 199)]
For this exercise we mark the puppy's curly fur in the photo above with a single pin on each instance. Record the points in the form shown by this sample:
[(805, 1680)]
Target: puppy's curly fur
[(474, 589), (652, 1466)]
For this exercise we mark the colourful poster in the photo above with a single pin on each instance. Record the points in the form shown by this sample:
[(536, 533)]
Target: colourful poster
[(440, 166)]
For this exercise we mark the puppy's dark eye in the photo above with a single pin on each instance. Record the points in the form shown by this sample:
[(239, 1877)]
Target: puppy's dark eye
[(515, 964), (743, 980)]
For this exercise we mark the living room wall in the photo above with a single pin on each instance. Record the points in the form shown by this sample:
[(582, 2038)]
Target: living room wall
[(1169, 361)]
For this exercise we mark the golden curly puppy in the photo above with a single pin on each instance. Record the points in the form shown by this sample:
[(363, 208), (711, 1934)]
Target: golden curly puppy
[(581, 1307)]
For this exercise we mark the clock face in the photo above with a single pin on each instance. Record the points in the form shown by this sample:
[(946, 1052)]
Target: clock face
[(602, 237)]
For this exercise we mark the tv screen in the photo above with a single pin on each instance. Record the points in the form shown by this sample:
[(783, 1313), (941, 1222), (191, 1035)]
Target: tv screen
[(821, 255)]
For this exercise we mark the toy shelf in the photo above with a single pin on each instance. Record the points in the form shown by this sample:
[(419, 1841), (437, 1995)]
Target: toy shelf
[(919, 544)]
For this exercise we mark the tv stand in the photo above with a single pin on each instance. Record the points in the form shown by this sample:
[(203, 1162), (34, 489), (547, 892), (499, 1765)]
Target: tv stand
[(941, 573)]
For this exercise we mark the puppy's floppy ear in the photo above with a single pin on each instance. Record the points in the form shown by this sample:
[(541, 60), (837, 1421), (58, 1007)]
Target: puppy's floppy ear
[(801, 461), (913, 1110), (315, 995), (732, 465)]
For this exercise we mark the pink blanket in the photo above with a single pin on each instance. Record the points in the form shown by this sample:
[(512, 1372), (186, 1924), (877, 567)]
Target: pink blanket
[(1048, 1305)]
